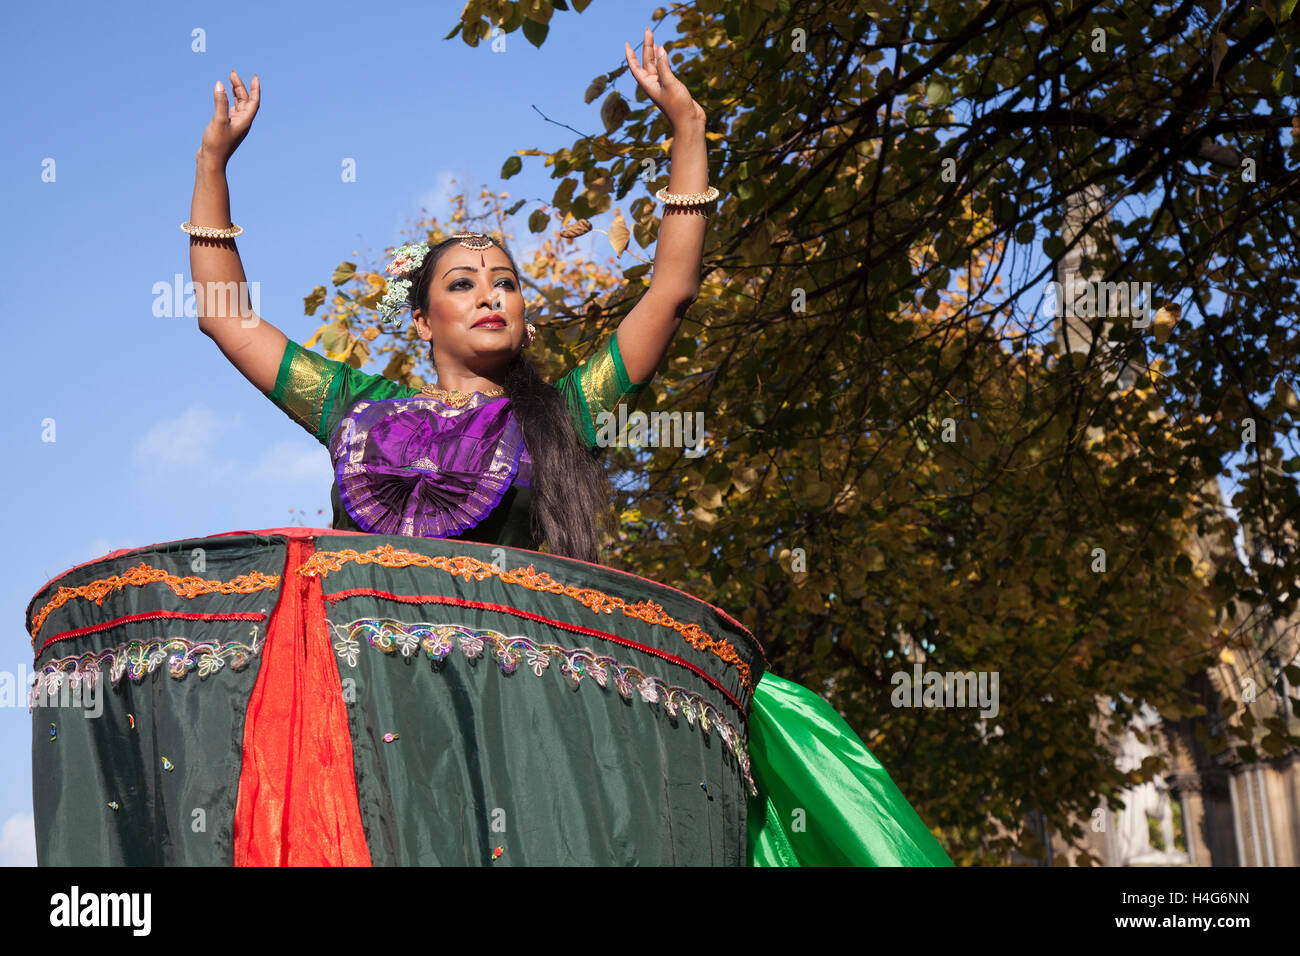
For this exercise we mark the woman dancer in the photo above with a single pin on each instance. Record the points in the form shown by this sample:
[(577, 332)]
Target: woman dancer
[(494, 454)]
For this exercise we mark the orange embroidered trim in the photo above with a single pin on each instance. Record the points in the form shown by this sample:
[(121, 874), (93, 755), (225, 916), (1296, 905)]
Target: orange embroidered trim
[(142, 574), (323, 562)]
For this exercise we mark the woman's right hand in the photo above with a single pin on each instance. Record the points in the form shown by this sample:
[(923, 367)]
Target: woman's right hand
[(228, 126)]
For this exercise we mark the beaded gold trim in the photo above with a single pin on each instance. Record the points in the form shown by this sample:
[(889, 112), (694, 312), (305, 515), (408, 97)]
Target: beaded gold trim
[(142, 574), (474, 240), (455, 399), (323, 562)]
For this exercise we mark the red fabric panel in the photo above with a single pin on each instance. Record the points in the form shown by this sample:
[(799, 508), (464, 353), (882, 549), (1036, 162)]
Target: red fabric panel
[(297, 803)]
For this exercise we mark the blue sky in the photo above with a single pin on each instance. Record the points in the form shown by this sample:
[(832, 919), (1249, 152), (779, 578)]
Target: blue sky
[(157, 437)]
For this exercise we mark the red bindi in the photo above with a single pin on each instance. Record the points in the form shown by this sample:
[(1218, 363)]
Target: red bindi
[(482, 261)]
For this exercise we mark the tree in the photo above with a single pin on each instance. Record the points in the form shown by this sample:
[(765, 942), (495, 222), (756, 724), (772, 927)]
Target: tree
[(887, 406)]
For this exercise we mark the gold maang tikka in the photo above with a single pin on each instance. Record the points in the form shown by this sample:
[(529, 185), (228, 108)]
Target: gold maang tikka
[(474, 240)]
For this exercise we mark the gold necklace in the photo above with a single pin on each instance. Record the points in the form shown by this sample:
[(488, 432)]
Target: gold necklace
[(456, 399)]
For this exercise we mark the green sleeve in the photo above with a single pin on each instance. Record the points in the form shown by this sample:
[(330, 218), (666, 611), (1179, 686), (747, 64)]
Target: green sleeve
[(598, 385), (317, 392)]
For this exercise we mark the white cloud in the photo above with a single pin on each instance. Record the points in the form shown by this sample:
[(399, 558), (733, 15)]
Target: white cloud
[(189, 448), (438, 199), (184, 442), (288, 461), (18, 841), (98, 546), (97, 549)]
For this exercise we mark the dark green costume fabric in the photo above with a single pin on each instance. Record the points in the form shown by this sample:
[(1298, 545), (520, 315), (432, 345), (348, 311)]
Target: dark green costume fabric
[(555, 711), (144, 771), (543, 761)]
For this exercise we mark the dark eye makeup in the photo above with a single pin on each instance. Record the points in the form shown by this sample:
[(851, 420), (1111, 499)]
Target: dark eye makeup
[(510, 283)]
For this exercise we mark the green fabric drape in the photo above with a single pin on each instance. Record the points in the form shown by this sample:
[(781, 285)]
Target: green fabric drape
[(824, 800)]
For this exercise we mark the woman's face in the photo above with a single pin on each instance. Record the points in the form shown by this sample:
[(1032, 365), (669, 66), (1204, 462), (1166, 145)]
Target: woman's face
[(468, 287)]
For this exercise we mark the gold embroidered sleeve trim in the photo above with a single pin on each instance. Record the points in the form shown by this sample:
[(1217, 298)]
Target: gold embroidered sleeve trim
[(303, 388)]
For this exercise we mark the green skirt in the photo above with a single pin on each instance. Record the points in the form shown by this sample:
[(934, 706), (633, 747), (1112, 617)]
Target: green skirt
[(313, 697)]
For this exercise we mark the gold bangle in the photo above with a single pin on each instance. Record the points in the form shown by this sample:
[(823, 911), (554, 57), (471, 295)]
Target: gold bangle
[(210, 232), (686, 199)]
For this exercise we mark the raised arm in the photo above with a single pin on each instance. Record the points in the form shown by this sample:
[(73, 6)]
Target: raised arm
[(648, 330), (224, 301)]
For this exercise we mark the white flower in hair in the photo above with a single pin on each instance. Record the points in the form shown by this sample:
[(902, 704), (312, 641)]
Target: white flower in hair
[(394, 301), (406, 259)]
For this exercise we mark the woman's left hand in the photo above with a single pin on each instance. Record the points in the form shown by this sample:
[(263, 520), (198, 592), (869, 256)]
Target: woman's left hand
[(665, 90)]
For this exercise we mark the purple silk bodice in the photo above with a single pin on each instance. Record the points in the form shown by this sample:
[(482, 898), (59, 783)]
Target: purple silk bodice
[(418, 467)]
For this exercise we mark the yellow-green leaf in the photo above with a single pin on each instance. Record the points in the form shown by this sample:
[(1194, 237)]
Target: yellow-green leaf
[(535, 32), (312, 302), (614, 111), (618, 234), (595, 89)]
